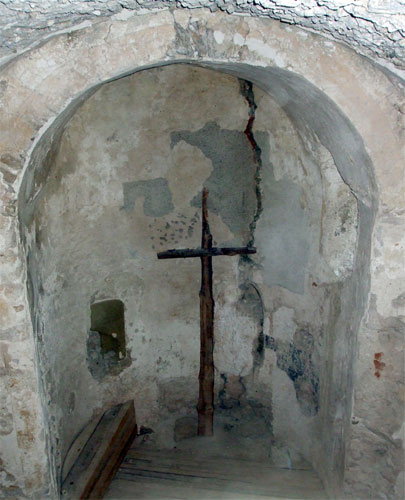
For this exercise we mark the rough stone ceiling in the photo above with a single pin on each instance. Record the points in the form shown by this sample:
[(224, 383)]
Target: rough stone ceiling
[(375, 28)]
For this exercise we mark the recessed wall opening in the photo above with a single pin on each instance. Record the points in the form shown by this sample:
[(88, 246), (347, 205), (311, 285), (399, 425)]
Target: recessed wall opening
[(124, 176), (107, 319), (106, 345)]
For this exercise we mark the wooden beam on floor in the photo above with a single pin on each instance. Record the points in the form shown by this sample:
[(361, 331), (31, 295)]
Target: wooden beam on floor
[(99, 460)]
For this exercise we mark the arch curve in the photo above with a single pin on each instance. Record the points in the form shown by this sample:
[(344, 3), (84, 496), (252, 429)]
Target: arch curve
[(295, 68)]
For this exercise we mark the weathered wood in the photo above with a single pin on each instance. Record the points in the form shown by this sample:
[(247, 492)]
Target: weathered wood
[(95, 467), (177, 458), (205, 407), (186, 475), (77, 446), (185, 253), (119, 450)]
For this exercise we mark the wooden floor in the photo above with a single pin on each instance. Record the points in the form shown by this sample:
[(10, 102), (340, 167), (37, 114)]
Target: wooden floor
[(173, 474)]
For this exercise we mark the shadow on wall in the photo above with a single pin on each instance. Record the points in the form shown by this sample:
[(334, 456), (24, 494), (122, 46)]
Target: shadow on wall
[(312, 113)]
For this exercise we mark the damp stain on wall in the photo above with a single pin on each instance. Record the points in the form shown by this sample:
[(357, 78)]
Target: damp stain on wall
[(155, 192), (296, 360), (378, 364), (232, 182)]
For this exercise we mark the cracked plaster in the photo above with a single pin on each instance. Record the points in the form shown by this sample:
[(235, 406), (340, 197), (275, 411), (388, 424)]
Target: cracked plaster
[(371, 100), (375, 28), (119, 246)]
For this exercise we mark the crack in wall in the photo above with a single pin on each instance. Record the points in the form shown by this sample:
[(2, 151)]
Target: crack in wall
[(231, 183), (246, 89)]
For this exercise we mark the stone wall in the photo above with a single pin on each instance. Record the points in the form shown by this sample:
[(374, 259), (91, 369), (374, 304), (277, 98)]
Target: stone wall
[(330, 94), (375, 28), (125, 182)]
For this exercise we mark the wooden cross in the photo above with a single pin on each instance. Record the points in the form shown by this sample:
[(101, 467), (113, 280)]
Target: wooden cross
[(205, 407)]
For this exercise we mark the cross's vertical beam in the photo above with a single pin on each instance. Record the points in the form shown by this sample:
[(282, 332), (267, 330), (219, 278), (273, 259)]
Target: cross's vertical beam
[(205, 407), (206, 377)]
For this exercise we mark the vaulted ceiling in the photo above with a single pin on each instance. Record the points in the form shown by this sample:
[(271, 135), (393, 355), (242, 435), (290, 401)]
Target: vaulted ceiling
[(375, 28)]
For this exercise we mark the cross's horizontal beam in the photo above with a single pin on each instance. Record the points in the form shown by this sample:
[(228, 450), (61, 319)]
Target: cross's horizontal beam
[(184, 253)]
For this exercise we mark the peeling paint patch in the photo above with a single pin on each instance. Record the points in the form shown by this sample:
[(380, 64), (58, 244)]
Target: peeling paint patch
[(102, 364), (378, 364), (6, 414), (232, 391), (8, 484), (251, 303), (265, 50), (194, 39), (156, 193), (238, 39), (219, 37), (295, 359), (399, 301), (232, 182), (283, 235)]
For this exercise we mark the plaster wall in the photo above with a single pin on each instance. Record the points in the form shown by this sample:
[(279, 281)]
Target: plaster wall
[(310, 78), (375, 28), (124, 183)]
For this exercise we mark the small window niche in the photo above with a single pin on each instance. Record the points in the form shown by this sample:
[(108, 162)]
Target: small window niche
[(106, 348)]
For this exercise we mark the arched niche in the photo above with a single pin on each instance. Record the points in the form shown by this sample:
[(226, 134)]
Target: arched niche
[(303, 72), (294, 273)]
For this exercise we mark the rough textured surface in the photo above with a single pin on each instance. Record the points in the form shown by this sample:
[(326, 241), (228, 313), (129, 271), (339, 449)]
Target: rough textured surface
[(345, 106), (128, 187), (193, 472), (373, 27)]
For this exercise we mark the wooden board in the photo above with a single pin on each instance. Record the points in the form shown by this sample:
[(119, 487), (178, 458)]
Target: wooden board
[(99, 460), (147, 474), (78, 444)]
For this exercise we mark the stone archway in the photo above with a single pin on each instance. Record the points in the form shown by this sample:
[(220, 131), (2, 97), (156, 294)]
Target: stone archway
[(44, 87)]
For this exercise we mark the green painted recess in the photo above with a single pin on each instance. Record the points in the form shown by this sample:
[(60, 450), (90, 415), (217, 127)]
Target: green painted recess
[(108, 319)]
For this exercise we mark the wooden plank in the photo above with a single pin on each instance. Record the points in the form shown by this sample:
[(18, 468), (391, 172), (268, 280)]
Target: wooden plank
[(146, 489), (205, 406), (220, 471), (163, 474), (184, 253), (76, 476), (118, 451), (89, 477), (220, 474), (100, 458), (78, 444), (282, 489), (193, 482), (179, 456)]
